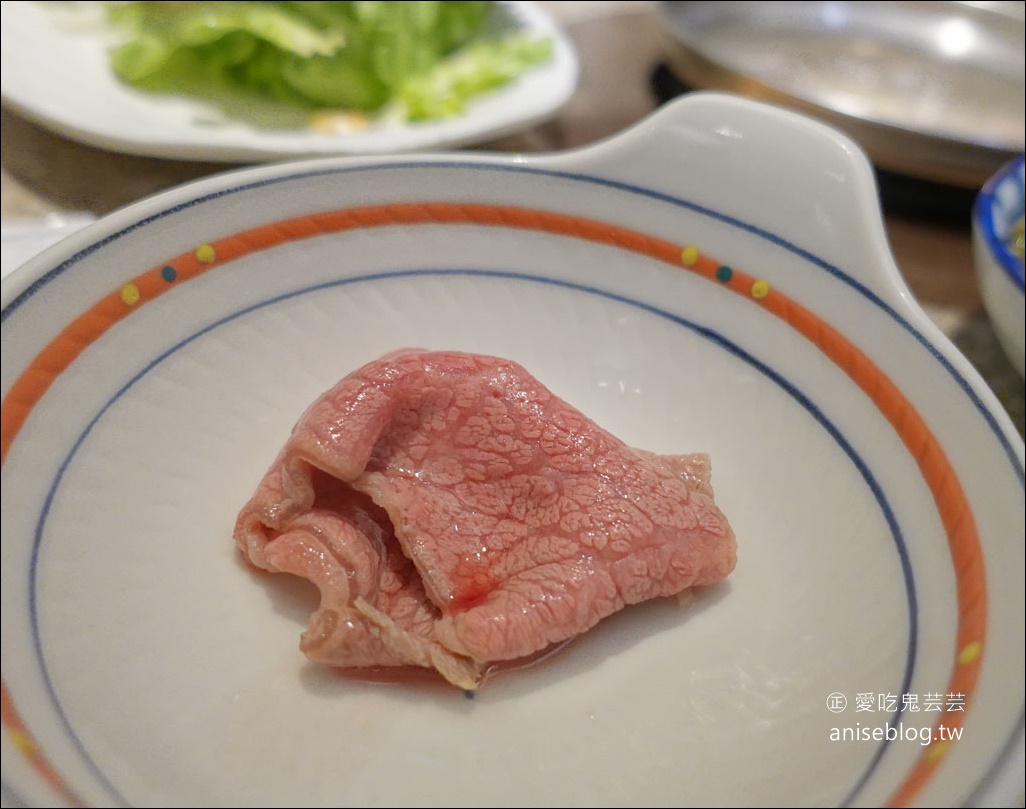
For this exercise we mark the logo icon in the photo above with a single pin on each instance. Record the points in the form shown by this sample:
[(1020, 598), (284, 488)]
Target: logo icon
[(837, 702)]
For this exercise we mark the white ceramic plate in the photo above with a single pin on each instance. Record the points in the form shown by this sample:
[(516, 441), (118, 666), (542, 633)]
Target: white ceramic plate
[(55, 71), (154, 363)]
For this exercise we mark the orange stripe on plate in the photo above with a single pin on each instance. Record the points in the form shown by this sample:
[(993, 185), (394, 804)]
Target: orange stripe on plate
[(950, 499), (22, 739)]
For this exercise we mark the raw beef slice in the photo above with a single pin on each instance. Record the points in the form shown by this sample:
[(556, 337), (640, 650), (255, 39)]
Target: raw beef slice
[(454, 513)]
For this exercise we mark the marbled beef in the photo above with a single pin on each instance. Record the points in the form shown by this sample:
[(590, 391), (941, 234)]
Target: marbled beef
[(454, 513)]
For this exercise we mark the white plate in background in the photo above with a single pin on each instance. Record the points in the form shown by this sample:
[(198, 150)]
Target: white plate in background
[(55, 71)]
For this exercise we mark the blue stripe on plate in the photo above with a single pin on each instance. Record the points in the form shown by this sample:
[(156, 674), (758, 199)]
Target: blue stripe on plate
[(680, 202), (709, 334)]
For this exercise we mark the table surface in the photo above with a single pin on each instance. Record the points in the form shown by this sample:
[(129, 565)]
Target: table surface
[(620, 46)]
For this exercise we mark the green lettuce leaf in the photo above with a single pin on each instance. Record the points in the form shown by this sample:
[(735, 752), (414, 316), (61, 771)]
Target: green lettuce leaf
[(421, 60)]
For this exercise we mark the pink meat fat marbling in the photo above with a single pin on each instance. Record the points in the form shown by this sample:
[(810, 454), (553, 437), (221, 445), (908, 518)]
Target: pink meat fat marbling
[(454, 514)]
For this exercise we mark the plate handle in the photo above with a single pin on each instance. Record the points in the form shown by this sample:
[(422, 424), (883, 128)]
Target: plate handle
[(781, 172)]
